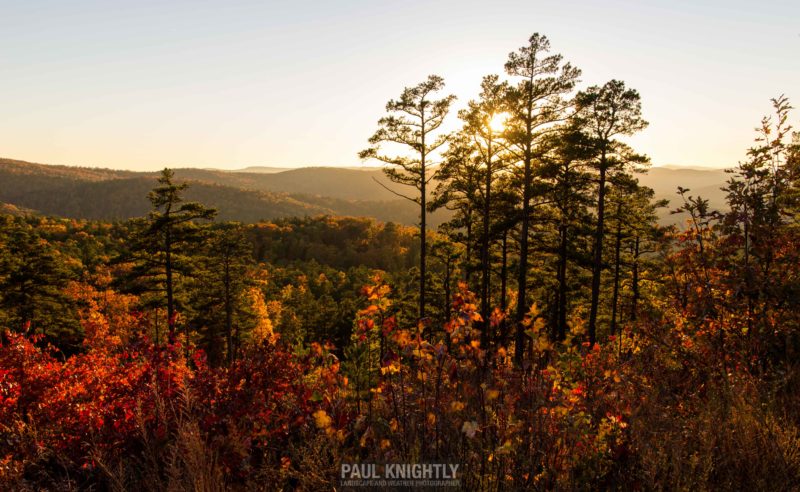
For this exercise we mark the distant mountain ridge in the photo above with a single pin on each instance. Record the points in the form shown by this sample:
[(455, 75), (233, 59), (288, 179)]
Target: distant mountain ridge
[(107, 194), (256, 193), (700, 182)]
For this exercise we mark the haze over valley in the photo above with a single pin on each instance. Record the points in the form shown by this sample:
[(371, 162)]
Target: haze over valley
[(263, 193)]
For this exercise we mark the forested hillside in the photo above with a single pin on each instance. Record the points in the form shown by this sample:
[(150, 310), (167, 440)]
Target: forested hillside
[(549, 330), (104, 194), (250, 196)]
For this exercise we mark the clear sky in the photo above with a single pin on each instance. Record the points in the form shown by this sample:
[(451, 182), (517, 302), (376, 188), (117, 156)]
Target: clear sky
[(144, 84)]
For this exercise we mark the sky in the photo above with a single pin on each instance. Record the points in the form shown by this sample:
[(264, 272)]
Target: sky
[(227, 84)]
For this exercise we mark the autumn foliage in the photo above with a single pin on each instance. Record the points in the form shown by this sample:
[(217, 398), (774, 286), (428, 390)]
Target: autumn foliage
[(262, 356)]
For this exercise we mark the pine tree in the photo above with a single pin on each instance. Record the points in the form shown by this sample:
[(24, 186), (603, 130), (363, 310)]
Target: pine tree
[(568, 189), (608, 112), (484, 128), (459, 190), (166, 246), (33, 276), (220, 293), (535, 104), (413, 121)]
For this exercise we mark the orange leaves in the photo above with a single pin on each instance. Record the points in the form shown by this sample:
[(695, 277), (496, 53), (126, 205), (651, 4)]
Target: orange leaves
[(108, 317), (497, 317), (371, 310), (322, 420), (377, 294)]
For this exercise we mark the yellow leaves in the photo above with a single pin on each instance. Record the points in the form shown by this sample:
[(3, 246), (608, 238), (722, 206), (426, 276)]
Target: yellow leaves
[(457, 406), (322, 420), (532, 314), (536, 330), (393, 425), (612, 374), (505, 448), (392, 368), (616, 421), (264, 329), (423, 351), (492, 394), (385, 444), (542, 344), (577, 326), (560, 411), (402, 338), (431, 418), (469, 428), (366, 437)]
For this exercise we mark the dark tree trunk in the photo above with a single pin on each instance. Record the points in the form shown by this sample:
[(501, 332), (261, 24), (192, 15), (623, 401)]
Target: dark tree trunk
[(561, 316), (448, 268), (597, 264), (486, 273), (522, 277), (422, 225), (229, 313), (468, 256), (635, 279), (615, 294), (504, 288), (168, 272)]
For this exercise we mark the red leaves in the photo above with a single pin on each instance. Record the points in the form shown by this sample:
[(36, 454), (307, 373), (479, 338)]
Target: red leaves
[(104, 400)]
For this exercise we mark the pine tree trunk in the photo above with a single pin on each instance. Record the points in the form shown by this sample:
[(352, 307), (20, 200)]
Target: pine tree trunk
[(615, 294), (562, 283), (422, 223), (635, 279), (486, 336), (168, 272), (504, 288), (522, 277), (228, 313), (597, 265), (468, 256)]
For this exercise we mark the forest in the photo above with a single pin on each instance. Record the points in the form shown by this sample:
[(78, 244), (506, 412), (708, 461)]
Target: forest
[(551, 334)]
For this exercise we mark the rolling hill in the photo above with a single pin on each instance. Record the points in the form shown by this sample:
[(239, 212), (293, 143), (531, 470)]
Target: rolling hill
[(253, 194), (90, 193)]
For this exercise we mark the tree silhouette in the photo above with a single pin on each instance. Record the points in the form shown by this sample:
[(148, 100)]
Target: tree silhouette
[(607, 112), (535, 104), (413, 120), (170, 231)]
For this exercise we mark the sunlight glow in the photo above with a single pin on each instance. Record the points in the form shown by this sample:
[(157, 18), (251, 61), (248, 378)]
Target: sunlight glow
[(498, 122)]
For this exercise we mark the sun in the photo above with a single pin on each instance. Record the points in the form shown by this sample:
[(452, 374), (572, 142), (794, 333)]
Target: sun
[(497, 122)]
